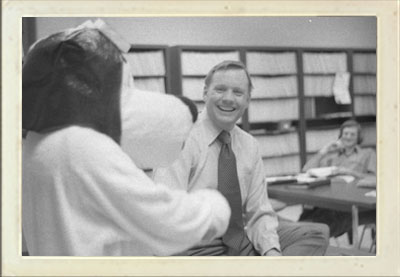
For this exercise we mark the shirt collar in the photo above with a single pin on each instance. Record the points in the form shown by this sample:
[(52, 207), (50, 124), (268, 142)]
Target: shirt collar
[(356, 150), (211, 131)]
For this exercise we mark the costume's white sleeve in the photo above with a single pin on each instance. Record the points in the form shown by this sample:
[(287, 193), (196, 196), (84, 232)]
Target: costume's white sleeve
[(178, 174), (160, 220), (261, 219)]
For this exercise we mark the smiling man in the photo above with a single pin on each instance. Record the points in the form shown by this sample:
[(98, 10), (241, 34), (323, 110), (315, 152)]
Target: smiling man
[(349, 158), (227, 95), (346, 154), (219, 155)]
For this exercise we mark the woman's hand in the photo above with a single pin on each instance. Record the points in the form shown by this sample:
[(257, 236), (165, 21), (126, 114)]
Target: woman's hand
[(331, 147)]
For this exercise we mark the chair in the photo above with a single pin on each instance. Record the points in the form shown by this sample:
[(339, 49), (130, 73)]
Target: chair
[(372, 227)]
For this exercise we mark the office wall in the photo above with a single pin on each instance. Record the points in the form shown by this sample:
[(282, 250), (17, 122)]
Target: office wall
[(358, 32)]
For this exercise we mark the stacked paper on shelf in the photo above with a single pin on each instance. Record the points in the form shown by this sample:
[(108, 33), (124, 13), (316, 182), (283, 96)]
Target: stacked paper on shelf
[(336, 115), (324, 62), (309, 108), (193, 87), (146, 62), (200, 63), (365, 105), (278, 145), (364, 62), (364, 84), (271, 62), (285, 165), (273, 110), (369, 134), (274, 87), (316, 139), (318, 85), (152, 84)]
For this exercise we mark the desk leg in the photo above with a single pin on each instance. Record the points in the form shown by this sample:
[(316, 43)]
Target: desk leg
[(354, 213)]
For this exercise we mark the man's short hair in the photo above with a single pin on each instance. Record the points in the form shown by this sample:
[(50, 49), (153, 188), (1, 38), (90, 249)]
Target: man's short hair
[(225, 65), (352, 123)]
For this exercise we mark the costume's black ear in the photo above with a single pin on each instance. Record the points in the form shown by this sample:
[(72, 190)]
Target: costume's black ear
[(70, 59), (72, 79), (69, 54)]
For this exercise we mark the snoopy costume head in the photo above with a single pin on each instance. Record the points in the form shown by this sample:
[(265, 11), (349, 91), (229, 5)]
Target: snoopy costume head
[(80, 77)]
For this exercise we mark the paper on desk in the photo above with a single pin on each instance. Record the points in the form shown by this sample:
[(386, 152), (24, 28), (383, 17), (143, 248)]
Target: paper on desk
[(371, 193), (272, 179), (346, 178), (367, 182), (304, 178), (322, 171)]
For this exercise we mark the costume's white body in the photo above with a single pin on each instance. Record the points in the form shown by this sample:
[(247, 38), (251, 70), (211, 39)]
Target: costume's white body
[(84, 193), (83, 196)]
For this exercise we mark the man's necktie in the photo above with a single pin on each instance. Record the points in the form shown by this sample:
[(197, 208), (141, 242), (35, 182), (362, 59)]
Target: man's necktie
[(228, 185)]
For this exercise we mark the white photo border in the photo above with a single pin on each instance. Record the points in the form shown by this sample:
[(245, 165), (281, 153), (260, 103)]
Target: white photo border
[(388, 247)]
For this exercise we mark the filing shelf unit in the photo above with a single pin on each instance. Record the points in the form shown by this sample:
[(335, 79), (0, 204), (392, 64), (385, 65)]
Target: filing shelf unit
[(304, 130), (364, 86), (323, 126), (149, 64), (256, 119), (274, 107)]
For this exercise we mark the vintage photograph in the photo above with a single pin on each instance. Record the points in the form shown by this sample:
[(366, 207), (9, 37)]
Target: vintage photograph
[(190, 138), (268, 150)]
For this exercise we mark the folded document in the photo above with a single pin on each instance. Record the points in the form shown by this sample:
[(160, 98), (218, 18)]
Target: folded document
[(304, 182), (277, 180), (301, 181), (322, 171)]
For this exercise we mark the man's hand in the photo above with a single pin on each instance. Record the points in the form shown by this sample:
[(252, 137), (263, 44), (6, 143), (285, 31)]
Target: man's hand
[(273, 252)]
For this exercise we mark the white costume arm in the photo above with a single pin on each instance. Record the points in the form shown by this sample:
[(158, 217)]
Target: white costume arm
[(164, 221)]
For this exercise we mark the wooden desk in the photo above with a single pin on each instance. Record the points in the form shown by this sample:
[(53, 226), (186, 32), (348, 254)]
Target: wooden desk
[(338, 196)]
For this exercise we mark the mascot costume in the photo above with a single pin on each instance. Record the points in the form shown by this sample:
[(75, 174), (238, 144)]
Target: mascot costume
[(90, 133)]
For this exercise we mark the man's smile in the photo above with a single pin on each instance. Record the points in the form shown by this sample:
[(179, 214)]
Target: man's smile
[(226, 109)]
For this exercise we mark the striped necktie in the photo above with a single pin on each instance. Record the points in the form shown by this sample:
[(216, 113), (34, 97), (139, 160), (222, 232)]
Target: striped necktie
[(228, 185)]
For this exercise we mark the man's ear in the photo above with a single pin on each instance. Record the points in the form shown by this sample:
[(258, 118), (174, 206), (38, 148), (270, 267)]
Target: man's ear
[(248, 97), (205, 93)]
